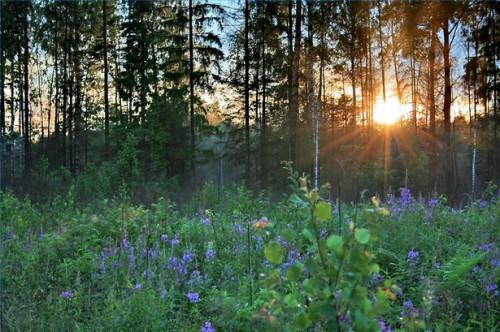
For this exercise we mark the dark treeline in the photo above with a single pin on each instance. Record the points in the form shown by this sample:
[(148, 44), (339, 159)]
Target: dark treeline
[(150, 96)]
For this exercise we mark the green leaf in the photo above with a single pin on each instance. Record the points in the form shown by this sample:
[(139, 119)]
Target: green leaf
[(362, 235), (336, 244), (308, 234), (274, 253), (323, 211), (294, 272)]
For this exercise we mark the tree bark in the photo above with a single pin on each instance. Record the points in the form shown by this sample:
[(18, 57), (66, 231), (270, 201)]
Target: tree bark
[(246, 95), (294, 112), (191, 82), (106, 70), (27, 129)]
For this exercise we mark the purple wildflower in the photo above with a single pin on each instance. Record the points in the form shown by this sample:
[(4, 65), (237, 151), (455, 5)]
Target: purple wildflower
[(205, 221), (175, 241), (138, 286), (125, 244), (188, 256), (177, 265), (377, 278), (487, 247), (409, 309), (433, 202), (413, 257), (164, 237), (207, 327), (495, 262), (437, 265), (239, 229), (492, 289), (483, 204), (193, 297), (10, 235), (66, 294), (405, 197), (210, 254), (384, 327)]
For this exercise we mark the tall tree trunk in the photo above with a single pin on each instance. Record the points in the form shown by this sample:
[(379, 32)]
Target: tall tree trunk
[(78, 104), (2, 87), (246, 93), (312, 104), (65, 89), (395, 63), (2, 122), (432, 109), (353, 64), (382, 50), (290, 85), (106, 70), (432, 79), (294, 111), (27, 137), (191, 81), (263, 157), (447, 81)]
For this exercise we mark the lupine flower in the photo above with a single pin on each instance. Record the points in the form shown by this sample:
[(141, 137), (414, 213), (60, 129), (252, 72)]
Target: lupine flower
[(188, 256), (293, 255), (483, 204), (487, 247), (66, 294), (433, 202), (409, 309), (384, 327), (207, 327), (405, 197), (194, 278), (177, 265), (476, 269), (377, 278), (346, 320), (193, 297), (492, 289), (175, 241), (138, 286), (210, 254), (239, 229), (164, 237), (205, 221), (125, 244), (495, 262), (413, 257)]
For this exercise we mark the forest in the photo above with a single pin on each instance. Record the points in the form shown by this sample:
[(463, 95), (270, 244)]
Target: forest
[(249, 165)]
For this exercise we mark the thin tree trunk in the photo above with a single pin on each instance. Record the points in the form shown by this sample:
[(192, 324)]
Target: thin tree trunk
[(246, 93), (191, 79), (263, 157), (395, 62), (65, 89), (27, 138), (294, 112), (382, 51), (447, 81), (106, 70)]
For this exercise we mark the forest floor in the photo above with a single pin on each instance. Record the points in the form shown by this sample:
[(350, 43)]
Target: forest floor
[(235, 261)]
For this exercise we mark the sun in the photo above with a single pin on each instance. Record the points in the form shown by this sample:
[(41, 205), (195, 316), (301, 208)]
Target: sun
[(389, 112)]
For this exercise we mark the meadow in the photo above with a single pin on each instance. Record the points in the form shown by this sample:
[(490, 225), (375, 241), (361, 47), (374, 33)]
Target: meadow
[(233, 260)]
